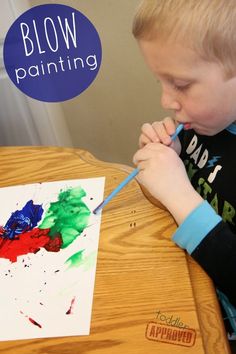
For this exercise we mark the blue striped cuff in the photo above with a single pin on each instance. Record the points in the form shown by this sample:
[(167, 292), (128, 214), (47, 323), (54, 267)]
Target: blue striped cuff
[(196, 226)]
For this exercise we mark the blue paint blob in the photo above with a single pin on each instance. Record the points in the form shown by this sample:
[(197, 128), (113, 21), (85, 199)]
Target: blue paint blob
[(23, 220)]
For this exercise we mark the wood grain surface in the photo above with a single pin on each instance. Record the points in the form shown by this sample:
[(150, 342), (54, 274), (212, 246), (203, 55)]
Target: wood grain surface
[(139, 269)]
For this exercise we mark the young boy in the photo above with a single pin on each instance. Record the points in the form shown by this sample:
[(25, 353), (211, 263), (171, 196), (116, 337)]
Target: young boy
[(190, 46)]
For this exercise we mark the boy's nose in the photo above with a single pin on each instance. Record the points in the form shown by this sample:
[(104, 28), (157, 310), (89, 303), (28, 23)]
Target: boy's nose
[(168, 101)]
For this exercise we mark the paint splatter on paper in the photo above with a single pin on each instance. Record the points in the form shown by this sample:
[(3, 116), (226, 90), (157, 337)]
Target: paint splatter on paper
[(48, 248), (69, 312), (68, 216), (31, 320), (64, 220)]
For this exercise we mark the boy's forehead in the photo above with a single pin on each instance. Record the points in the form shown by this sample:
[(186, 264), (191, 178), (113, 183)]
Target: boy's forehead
[(170, 59)]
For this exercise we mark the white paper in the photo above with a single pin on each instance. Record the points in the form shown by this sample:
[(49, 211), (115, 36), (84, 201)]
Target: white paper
[(42, 286)]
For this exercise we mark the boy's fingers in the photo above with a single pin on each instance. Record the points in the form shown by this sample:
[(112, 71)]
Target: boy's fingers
[(139, 156), (136, 158), (148, 130), (163, 135), (157, 132), (142, 165), (146, 152), (143, 140), (170, 125)]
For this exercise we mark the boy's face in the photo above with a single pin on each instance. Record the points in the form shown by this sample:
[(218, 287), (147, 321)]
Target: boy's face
[(196, 90)]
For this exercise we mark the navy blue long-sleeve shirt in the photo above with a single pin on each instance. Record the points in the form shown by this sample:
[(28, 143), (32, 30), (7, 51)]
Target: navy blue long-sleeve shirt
[(209, 232)]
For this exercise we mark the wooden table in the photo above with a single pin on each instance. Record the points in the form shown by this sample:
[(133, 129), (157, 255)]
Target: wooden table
[(140, 271)]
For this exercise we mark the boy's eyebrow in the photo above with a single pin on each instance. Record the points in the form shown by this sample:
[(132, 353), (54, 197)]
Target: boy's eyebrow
[(175, 77)]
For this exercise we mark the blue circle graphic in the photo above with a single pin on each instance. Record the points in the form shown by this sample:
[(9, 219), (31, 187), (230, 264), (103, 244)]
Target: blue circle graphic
[(52, 52)]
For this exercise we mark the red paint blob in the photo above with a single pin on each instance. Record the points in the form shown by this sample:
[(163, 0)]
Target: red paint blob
[(69, 312), (34, 322), (54, 245), (31, 320), (1, 231), (29, 242)]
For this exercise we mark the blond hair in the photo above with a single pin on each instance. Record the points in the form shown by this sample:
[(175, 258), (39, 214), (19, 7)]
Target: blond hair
[(207, 26)]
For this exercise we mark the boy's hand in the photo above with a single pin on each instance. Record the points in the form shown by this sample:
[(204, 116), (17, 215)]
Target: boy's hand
[(163, 174), (160, 132)]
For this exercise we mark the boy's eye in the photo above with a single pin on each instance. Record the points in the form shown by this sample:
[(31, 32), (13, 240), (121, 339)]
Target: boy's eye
[(180, 87)]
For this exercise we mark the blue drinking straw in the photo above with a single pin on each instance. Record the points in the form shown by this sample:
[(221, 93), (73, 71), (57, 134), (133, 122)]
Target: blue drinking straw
[(130, 177)]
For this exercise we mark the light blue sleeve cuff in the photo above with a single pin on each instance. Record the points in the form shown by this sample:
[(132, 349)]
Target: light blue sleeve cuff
[(196, 226)]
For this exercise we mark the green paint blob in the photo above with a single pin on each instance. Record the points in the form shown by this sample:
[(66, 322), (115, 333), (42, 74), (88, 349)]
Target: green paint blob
[(79, 259), (68, 216), (90, 261), (75, 260)]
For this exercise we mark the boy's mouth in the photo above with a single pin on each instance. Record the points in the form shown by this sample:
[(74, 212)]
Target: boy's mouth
[(187, 126)]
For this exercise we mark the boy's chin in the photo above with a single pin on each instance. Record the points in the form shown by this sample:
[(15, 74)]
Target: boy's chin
[(207, 132)]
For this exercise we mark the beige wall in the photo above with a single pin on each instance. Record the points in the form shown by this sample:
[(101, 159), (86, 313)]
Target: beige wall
[(106, 118)]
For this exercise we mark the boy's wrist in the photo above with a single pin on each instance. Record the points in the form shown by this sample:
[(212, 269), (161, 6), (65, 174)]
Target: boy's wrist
[(182, 203), (198, 224)]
